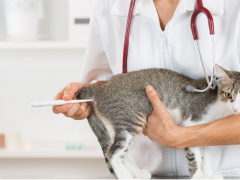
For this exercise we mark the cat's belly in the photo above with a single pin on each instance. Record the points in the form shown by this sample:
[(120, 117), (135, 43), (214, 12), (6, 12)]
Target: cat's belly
[(176, 115)]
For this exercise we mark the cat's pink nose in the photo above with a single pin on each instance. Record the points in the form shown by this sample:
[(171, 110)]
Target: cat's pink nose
[(235, 109)]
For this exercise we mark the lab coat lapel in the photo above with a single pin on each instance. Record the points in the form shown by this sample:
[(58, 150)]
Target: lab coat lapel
[(121, 7), (149, 10), (142, 7), (216, 7)]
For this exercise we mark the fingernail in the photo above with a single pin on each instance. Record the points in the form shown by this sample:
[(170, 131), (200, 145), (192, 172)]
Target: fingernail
[(66, 94), (149, 88)]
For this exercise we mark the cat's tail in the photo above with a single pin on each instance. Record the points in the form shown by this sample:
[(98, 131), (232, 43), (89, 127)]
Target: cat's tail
[(86, 92)]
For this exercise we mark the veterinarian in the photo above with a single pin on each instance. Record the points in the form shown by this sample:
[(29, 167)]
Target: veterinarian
[(161, 37)]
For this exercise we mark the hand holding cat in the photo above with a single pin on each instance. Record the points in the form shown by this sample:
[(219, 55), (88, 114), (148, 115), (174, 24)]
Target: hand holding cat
[(78, 111), (160, 126)]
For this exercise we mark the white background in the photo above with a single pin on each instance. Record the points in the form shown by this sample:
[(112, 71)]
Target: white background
[(30, 74)]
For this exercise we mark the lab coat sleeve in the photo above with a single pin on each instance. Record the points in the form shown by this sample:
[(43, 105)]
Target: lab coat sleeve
[(95, 66)]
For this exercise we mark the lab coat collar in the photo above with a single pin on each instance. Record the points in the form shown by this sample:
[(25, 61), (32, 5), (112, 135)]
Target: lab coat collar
[(121, 7)]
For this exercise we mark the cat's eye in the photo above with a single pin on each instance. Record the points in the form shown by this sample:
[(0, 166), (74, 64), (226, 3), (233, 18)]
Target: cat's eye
[(228, 95)]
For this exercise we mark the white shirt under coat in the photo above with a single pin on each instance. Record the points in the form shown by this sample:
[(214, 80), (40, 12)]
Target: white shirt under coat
[(174, 49)]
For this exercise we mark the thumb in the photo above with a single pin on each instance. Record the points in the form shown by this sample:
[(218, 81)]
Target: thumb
[(154, 98), (70, 91)]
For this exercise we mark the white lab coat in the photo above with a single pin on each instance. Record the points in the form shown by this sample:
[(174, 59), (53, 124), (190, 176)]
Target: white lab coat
[(174, 49)]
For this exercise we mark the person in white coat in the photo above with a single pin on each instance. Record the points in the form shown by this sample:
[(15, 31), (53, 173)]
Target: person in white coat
[(161, 37)]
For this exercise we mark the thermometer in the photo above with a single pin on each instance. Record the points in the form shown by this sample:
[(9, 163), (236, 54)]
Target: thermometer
[(57, 102)]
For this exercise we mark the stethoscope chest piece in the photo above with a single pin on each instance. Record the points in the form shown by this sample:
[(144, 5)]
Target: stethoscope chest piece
[(215, 82)]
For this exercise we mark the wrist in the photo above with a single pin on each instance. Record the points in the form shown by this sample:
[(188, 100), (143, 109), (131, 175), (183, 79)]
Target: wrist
[(175, 138), (182, 138)]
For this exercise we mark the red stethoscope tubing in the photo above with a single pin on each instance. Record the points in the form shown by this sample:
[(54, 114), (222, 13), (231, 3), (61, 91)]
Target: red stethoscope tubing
[(127, 34), (198, 9)]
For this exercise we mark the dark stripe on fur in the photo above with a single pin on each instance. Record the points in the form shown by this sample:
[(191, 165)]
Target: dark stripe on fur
[(192, 164)]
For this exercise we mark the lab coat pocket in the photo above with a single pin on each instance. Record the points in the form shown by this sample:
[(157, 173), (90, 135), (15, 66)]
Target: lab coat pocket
[(121, 7)]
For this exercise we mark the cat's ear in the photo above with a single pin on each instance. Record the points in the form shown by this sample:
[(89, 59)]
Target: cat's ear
[(222, 74)]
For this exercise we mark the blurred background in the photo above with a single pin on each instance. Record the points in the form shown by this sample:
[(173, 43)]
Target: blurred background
[(42, 47)]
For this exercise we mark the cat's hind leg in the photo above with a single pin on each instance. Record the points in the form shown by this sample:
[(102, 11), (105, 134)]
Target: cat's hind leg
[(117, 152), (118, 155), (194, 156), (137, 172), (207, 168)]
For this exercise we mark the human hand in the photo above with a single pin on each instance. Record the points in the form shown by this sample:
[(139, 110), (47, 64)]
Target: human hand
[(77, 111), (160, 126)]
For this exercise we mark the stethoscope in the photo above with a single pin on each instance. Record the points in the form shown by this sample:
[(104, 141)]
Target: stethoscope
[(213, 82), (198, 9)]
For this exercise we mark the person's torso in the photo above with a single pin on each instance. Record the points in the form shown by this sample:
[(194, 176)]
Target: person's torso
[(173, 49)]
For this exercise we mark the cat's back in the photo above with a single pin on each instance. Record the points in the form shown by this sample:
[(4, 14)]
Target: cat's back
[(141, 79), (131, 86)]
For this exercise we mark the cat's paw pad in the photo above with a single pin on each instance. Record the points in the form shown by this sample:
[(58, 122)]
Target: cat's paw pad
[(144, 174), (216, 176)]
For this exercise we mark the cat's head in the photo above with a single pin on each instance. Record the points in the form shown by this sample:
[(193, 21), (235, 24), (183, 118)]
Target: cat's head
[(229, 88)]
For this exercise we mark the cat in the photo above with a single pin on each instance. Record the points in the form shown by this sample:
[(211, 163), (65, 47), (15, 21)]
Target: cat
[(121, 107)]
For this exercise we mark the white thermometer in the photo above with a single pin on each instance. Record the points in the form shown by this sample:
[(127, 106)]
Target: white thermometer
[(57, 102)]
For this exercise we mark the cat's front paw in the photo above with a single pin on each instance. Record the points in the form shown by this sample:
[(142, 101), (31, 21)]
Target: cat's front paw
[(144, 174), (216, 176)]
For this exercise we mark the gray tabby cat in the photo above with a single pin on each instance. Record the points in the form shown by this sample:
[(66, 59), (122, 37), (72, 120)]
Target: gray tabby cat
[(121, 107)]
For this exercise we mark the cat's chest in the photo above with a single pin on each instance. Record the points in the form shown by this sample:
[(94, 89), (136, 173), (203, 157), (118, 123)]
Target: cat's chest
[(215, 111)]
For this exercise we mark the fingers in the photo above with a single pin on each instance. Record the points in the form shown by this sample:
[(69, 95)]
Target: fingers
[(85, 114), (72, 111), (62, 109), (75, 111), (83, 107), (79, 111), (59, 96), (154, 99), (70, 91), (67, 93)]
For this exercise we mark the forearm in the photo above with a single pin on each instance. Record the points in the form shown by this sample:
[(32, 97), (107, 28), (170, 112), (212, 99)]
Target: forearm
[(223, 132)]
